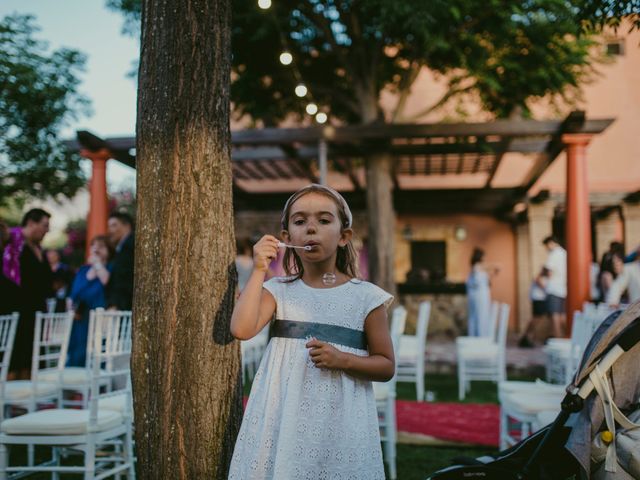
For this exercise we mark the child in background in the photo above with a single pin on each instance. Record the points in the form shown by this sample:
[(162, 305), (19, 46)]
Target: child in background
[(312, 413)]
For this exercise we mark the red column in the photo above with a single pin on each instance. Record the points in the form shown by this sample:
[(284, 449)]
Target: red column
[(578, 224), (98, 206)]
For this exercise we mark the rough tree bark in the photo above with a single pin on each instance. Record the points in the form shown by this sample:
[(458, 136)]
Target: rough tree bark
[(382, 220), (380, 211), (186, 366)]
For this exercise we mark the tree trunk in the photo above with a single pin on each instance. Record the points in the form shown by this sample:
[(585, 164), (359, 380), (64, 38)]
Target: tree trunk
[(186, 365), (382, 220), (380, 212)]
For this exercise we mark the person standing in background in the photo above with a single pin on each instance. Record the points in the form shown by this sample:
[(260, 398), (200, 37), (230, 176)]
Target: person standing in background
[(539, 313), (479, 296), (119, 291), (629, 280), (555, 272), (88, 293), (24, 264)]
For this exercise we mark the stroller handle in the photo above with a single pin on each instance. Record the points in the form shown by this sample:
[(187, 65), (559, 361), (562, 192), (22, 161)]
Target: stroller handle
[(626, 340)]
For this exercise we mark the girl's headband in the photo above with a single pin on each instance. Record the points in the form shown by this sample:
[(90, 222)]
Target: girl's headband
[(314, 187)]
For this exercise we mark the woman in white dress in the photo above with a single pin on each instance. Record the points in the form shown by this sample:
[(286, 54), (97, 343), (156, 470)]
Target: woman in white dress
[(479, 297), (311, 412)]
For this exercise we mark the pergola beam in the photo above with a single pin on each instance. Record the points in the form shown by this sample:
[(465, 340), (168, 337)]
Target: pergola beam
[(304, 166)]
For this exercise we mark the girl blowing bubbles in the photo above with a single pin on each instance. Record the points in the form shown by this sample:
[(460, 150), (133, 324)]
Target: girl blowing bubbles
[(311, 413)]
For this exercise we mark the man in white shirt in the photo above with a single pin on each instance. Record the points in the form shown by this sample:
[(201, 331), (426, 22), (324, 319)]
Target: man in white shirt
[(555, 270), (628, 280)]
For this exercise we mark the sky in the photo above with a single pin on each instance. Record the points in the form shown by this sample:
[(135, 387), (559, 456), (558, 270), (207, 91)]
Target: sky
[(88, 26)]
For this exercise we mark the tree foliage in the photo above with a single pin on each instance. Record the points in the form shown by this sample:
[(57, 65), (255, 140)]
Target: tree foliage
[(348, 51), (38, 96), (599, 14)]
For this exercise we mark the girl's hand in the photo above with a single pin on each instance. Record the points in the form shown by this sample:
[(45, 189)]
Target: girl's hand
[(264, 252), (324, 355)]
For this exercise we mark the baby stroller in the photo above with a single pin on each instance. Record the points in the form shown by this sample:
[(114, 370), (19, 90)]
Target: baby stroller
[(582, 442)]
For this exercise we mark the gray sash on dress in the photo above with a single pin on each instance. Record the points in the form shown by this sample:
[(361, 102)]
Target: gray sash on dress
[(322, 331)]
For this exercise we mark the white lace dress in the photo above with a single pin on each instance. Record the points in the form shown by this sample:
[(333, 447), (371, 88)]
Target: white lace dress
[(303, 422)]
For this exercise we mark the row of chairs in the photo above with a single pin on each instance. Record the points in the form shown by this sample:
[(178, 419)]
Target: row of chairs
[(105, 420), (526, 407)]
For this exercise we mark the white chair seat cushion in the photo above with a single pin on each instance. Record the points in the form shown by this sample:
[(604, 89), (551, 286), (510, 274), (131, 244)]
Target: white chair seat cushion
[(557, 349), (472, 341), (115, 403), (537, 387), (531, 403), (17, 390), (70, 375), (558, 342), (488, 351), (59, 422)]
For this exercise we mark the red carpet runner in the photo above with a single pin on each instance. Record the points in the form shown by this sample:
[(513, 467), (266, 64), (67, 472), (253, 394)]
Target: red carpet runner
[(467, 423), (475, 424)]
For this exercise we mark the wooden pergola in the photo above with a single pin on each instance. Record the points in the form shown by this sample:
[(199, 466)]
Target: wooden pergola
[(270, 163)]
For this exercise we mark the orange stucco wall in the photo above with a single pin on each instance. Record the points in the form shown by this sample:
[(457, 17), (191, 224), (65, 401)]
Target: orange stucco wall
[(614, 156), (496, 238)]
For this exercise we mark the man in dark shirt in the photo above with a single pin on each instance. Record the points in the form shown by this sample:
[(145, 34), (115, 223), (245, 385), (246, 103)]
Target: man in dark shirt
[(119, 290), (29, 279)]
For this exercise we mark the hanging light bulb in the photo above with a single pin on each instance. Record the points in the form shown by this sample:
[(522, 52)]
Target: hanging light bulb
[(312, 109), (301, 90), (286, 58), (264, 4), (321, 117)]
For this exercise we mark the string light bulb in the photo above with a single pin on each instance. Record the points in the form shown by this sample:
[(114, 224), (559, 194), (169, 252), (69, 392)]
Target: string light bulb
[(321, 117), (312, 109), (301, 90), (286, 58), (264, 4)]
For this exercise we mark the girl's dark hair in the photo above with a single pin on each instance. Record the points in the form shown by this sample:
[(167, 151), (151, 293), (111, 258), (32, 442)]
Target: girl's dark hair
[(477, 256), (346, 258)]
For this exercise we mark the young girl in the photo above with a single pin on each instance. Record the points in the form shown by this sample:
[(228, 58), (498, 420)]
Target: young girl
[(311, 413)]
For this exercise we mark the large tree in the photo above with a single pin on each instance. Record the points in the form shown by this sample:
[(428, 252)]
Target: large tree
[(186, 366), (38, 97)]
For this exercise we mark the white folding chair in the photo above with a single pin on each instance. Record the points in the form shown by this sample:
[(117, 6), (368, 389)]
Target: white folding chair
[(483, 361), (50, 340), (411, 352), (77, 380), (385, 394), (563, 354), (8, 325), (84, 430), (524, 407)]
